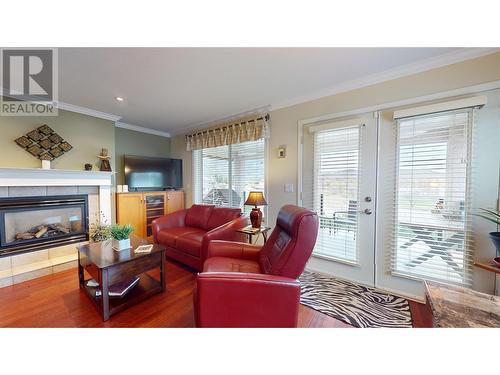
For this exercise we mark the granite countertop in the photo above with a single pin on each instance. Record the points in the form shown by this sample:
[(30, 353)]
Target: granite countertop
[(459, 307)]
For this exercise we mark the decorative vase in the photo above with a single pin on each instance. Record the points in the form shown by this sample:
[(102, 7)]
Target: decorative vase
[(256, 217), (120, 245), (495, 238)]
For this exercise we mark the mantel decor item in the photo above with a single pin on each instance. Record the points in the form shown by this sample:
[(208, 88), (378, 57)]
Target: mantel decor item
[(256, 198), (492, 216), (121, 236), (44, 144), (88, 167), (45, 164), (105, 165)]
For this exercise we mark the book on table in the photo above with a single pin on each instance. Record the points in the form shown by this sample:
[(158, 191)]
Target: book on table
[(119, 289), (251, 229)]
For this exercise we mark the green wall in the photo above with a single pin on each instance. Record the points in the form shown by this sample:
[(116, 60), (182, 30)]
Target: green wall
[(86, 134), (129, 142)]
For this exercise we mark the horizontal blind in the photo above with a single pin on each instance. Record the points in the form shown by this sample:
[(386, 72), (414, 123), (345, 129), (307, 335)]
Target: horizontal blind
[(432, 237), (248, 170), (335, 192), (224, 175), (212, 181)]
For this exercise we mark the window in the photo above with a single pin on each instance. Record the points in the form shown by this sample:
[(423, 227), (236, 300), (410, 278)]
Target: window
[(431, 236), (224, 175), (335, 191)]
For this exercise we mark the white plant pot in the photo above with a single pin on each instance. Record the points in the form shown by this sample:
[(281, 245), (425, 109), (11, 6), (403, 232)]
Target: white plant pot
[(121, 245)]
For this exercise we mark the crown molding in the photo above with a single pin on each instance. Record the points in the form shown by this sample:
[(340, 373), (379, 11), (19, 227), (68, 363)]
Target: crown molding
[(98, 114), (87, 111), (401, 71), (71, 107), (141, 129)]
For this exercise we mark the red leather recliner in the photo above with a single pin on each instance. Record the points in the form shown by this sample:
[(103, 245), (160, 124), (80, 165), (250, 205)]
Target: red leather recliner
[(187, 233), (244, 285)]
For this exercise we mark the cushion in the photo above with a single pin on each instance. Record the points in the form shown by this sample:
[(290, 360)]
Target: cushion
[(197, 216), (168, 237), (223, 264), (190, 243), (221, 216)]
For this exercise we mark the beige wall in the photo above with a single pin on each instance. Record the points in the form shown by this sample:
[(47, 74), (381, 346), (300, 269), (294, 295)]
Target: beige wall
[(86, 134), (284, 125), (178, 151), (129, 142), (284, 121)]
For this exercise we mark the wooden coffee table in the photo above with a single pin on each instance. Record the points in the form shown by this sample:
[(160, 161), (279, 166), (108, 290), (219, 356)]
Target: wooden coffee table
[(109, 267)]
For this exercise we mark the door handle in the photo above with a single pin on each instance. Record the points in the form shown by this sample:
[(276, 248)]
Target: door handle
[(368, 211)]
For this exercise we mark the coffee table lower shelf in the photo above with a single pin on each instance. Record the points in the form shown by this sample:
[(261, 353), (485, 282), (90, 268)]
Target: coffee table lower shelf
[(146, 287)]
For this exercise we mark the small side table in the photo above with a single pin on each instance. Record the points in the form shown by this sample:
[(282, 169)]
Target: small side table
[(250, 232)]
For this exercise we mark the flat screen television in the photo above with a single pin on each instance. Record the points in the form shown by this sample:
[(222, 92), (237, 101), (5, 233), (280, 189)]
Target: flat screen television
[(146, 173)]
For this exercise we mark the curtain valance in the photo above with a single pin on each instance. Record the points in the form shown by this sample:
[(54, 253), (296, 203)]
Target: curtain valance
[(237, 131)]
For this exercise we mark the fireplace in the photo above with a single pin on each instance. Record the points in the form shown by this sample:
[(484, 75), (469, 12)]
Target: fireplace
[(36, 223)]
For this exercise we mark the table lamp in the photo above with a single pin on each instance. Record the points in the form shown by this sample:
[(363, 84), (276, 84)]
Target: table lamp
[(256, 198)]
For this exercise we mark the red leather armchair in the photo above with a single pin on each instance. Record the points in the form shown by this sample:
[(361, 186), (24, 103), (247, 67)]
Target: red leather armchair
[(245, 285), (187, 233)]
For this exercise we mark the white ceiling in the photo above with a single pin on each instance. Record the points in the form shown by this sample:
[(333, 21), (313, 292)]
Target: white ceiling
[(175, 89)]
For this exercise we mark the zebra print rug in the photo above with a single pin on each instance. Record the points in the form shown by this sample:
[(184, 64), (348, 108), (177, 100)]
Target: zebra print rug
[(353, 304)]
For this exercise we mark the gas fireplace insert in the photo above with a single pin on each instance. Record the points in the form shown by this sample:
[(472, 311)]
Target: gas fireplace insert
[(36, 223)]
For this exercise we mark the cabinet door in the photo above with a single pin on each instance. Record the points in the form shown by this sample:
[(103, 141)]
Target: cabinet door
[(175, 201), (130, 210), (154, 207)]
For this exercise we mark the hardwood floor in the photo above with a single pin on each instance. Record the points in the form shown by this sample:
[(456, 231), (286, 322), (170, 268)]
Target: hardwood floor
[(57, 301)]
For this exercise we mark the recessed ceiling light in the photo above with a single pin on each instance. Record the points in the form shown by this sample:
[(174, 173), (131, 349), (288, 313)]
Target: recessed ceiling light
[(119, 98)]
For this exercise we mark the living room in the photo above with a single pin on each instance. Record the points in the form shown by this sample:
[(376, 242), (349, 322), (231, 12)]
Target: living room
[(249, 185)]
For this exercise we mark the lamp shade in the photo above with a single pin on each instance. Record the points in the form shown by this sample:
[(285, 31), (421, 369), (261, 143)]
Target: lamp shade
[(256, 198)]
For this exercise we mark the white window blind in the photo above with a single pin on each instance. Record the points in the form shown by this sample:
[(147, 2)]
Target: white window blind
[(224, 175), (432, 238), (335, 192)]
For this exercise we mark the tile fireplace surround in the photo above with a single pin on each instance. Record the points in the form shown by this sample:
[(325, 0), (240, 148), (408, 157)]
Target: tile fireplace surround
[(42, 182)]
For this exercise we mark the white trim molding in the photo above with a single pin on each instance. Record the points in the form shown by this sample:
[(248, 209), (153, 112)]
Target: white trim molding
[(70, 107), (337, 124), (87, 111), (467, 90), (401, 71), (475, 101), (124, 125), (98, 114), (53, 177)]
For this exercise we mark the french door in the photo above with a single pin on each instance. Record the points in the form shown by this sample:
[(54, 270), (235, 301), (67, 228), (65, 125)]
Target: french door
[(338, 182), (415, 170)]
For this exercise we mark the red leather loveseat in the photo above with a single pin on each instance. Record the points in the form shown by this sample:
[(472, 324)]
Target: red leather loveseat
[(245, 285), (187, 233)]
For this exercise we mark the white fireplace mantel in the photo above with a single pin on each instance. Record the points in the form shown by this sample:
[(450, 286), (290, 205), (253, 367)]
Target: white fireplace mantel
[(53, 177), (61, 177)]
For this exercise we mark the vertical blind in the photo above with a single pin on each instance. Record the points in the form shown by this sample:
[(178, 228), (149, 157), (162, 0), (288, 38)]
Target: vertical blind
[(334, 194), (224, 175), (432, 237)]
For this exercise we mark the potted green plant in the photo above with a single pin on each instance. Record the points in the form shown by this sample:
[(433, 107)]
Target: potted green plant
[(492, 216), (100, 230), (121, 236)]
